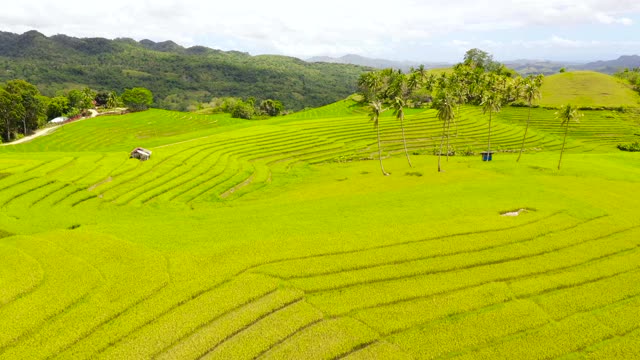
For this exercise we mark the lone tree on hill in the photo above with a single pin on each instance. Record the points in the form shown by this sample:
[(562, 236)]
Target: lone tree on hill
[(137, 99), (567, 114), (531, 92), (476, 58)]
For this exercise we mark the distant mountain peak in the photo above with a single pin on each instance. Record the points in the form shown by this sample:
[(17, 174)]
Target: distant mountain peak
[(611, 66)]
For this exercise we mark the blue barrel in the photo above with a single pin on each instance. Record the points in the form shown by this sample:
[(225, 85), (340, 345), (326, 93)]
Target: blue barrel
[(487, 156)]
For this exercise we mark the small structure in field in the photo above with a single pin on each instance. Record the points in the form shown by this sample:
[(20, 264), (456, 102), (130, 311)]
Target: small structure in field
[(140, 154), (487, 155), (58, 120)]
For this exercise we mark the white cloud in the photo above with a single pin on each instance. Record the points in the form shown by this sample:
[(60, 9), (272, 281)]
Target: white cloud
[(308, 28)]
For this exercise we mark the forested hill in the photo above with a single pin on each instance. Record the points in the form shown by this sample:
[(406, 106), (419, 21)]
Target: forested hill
[(177, 76)]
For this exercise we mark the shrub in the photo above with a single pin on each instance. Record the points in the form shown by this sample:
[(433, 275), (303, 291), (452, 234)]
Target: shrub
[(468, 151), (633, 147), (243, 110)]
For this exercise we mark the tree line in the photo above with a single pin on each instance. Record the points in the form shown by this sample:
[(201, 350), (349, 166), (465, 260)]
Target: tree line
[(478, 80), (23, 109), (244, 108)]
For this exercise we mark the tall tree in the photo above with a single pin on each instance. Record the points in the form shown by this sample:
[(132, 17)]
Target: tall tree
[(566, 115), (11, 112), (375, 110), (476, 58), (400, 92), (138, 98), (530, 92), (491, 103), (459, 89), (444, 104), (30, 99)]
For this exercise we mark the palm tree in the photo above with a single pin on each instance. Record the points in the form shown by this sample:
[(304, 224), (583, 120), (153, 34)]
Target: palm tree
[(567, 114), (398, 107), (459, 89), (491, 103), (375, 109), (421, 73), (531, 92), (113, 101), (370, 85), (399, 92), (444, 104)]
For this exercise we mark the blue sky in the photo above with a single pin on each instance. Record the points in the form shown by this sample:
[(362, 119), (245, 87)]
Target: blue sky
[(426, 31)]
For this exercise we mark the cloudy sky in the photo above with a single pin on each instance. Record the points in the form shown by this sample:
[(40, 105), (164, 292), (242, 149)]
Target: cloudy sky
[(427, 30)]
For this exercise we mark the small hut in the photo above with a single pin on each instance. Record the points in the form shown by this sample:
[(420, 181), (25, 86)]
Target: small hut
[(140, 154), (487, 155)]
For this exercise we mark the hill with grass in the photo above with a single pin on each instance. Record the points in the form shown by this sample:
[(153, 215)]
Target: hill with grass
[(587, 89), (280, 239), (177, 76)]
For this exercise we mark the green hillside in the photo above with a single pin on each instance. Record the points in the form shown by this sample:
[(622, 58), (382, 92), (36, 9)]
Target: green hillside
[(587, 89), (177, 76), (280, 239)]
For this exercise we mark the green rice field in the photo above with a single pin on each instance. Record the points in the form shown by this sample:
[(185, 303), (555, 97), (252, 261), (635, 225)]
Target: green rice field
[(281, 239)]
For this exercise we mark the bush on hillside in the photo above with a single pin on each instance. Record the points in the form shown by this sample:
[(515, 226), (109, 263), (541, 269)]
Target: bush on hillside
[(633, 147), (243, 110)]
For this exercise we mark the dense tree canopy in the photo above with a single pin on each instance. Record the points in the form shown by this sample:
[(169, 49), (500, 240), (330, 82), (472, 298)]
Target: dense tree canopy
[(11, 113), (30, 99), (137, 98)]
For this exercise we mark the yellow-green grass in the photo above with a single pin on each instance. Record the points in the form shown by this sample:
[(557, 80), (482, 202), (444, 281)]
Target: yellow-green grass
[(268, 239), (587, 89)]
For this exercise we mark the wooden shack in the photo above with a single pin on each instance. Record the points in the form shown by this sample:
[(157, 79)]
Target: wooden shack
[(140, 154)]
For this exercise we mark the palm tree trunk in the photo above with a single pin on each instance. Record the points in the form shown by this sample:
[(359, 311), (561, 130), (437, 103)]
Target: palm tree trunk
[(566, 130), (444, 126), (380, 152), (457, 117), (525, 134), (448, 132), (406, 152), (489, 139)]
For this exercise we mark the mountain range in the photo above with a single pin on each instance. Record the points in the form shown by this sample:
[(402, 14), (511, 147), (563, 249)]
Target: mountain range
[(522, 66), (405, 66), (179, 77)]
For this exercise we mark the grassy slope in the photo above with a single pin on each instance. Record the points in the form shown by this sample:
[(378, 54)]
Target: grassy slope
[(127, 259), (587, 88)]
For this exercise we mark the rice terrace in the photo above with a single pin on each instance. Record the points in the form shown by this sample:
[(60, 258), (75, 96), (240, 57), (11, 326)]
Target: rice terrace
[(282, 238)]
